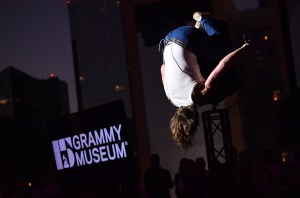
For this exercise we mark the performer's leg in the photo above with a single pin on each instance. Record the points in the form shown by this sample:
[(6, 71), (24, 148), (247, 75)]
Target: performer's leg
[(217, 44)]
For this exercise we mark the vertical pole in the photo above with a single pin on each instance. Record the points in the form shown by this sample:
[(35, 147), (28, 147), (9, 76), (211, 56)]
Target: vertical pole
[(136, 85)]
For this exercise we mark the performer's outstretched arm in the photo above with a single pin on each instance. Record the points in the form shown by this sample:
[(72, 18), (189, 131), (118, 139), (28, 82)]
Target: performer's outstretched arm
[(226, 63)]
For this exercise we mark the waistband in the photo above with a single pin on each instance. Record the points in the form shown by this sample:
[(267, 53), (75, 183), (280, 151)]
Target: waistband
[(164, 42), (177, 41)]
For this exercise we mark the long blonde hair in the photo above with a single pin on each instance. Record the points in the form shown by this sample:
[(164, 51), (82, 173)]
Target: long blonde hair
[(183, 125)]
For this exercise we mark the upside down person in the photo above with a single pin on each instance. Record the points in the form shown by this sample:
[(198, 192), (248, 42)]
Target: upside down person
[(186, 82)]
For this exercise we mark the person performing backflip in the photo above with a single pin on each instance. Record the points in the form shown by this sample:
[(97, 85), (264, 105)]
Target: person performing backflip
[(188, 76)]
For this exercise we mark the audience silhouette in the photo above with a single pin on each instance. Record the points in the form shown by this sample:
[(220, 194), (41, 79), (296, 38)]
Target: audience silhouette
[(186, 181), (267, 176), (157, 180), (250, 175)]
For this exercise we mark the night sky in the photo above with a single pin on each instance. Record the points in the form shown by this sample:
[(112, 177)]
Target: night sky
[(35, 38)]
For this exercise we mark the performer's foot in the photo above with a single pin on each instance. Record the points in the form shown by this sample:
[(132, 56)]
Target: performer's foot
[(198, 16)]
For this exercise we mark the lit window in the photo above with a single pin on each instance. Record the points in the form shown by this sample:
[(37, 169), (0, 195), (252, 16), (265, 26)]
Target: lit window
[(266, 37), (276, 95), (118, 88), (283, 156), (82, 78), (3, 101), (267, 34)]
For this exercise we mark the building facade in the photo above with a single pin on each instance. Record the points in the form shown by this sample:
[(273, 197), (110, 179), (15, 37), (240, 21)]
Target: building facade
[(27, 104), (23, 97), (268, 72), (99, 53)]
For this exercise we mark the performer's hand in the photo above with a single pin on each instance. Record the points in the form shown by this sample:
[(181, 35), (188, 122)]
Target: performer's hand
[(204, 91), (246, 39), (246, 45)]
